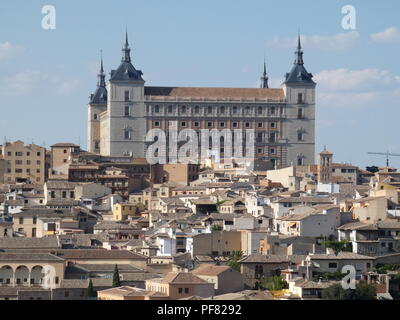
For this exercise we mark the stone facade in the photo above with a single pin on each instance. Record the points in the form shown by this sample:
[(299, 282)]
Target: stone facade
[(24, 163), (122, 112)]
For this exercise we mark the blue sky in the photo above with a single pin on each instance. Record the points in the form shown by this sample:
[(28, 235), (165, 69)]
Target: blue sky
[(46, 76)]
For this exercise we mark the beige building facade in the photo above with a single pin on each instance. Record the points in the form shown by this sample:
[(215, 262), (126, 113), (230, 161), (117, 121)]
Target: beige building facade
[(23, 162)]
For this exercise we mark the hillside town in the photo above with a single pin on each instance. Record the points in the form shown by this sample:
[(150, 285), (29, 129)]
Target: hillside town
[(77, 225)]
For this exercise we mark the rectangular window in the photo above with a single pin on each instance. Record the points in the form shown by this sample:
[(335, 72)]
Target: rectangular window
[(196, 124), (126, 95), (299, 98), (183, 123), (300, 136), (235, 124), (272, 137), (260, 124), (300, 113), (18, 154), (127, 111), (332, 265)]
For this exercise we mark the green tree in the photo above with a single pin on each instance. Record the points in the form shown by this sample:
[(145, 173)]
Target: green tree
[(363, 291), (338, 246), (335, 292), (216, 227), (394, 287), (274, 283), (89, 292), (234, 258), (116, 281)]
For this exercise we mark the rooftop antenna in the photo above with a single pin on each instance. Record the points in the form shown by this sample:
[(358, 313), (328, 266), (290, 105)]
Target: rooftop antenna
[(387, 154)]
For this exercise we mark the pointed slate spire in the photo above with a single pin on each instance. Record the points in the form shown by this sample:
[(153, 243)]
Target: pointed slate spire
[(126, 51), (299, 74), (264, 78), (101, 75), (299, 52)]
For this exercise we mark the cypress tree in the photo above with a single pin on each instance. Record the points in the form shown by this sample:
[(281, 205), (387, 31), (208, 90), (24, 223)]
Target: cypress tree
[(116, 281), (89, 292)]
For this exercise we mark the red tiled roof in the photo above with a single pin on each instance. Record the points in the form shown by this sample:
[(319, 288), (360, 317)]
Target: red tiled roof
[(226, 93)]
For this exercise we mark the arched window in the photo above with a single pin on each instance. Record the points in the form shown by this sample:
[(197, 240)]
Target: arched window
[(234, 109), (209, 109), (157, 109), (196, 109), (247, 110), (299, 161), (169, 109), (222, 110), (260, 110), (183, 109), (95, 116)]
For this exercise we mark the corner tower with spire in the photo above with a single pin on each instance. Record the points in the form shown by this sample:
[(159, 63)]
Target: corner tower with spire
[(97, 105), (125, 124), (299, 89)]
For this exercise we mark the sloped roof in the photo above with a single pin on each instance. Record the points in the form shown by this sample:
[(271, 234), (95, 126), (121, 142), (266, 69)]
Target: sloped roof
[(182, 277), (215, 93), (210, 270), (126, 71), (341, 256), (299, 74), (263, 258), (26, 243), (99, 96)]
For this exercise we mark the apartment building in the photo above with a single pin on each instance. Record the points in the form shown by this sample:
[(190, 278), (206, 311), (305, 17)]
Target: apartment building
[(24, 163)]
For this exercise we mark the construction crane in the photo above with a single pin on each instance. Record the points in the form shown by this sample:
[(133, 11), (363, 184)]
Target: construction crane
[(387, 154)]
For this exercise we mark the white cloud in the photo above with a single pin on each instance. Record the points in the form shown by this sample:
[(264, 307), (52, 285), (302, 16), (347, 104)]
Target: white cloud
[(25, 82), (68, 86), (390, 35), (344, 79), (339, 41), (356, 88), (8, 50)]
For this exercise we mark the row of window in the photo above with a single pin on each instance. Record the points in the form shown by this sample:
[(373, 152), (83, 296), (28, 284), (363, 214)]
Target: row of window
[(19, 170), (21, 154), (64, 194), (220, 110), (210, 124), (28, 162)]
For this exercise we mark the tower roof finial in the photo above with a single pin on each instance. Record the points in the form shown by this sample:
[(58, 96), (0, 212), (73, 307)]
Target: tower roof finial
[(299, 51), (264, 78), (126, 51), (101, 59), (101, 75)]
